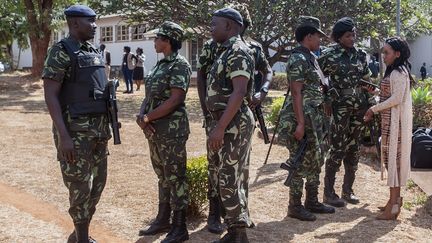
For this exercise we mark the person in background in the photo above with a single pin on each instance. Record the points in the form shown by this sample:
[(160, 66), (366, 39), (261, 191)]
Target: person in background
[(374, 67), (128, 66), (423, 71), (106, 55), (138, 72)]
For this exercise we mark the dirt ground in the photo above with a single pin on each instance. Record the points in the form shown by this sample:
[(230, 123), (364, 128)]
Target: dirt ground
[(34, 201)]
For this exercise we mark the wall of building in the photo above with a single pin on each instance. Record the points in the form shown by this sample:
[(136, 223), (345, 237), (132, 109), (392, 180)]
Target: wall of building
[(421, 51)]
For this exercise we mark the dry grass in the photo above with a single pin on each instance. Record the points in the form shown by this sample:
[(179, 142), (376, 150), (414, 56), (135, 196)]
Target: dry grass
[(130, 198)]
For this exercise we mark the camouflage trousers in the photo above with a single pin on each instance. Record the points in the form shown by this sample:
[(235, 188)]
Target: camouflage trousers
[(86, 178), (229, 168), (316, 149), (168, 157), (345, 133)]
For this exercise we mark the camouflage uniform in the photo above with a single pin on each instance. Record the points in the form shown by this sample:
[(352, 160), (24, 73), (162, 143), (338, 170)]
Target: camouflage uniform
[(302, 67), (209, 53), (349, 103), (234, 155), (168, 144), (86, 178)]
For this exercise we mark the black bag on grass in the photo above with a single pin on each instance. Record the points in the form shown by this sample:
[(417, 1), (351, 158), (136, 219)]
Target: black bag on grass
[(421, 148)]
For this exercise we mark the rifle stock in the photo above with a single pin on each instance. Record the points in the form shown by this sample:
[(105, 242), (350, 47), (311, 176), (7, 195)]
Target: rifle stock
[(292, 164)]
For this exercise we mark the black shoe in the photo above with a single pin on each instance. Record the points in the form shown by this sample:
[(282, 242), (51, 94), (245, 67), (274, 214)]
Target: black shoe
[(350, 197), (333, 200), (178, 232), (72, 238), (91, 240), (234, 235), (162, 222), (126, 92), (299, 212), (318, 207), (214, 224)]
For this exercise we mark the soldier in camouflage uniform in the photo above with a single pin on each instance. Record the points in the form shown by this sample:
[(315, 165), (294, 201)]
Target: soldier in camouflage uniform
[(345, 65), (229, 87), (165, 123), (302, 115), (80, 122), (263, 75)]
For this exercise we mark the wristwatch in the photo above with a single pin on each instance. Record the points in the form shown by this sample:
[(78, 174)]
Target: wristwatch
[(146, 119), (265, 89)]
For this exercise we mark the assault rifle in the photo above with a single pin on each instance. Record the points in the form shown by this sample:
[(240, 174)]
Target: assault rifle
[(113, 110), (293, 163), (263, 128)]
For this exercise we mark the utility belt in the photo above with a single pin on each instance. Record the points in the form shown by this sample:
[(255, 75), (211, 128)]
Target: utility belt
[(216, 115), (335, 93)]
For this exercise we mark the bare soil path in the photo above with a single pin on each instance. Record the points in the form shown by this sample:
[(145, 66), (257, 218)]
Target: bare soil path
[(34, 201)]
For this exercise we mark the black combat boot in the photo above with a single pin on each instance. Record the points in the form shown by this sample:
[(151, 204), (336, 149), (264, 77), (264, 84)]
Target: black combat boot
[(82, 232), (234, 235), (178, 232), (347, 191), (330, 197), (161, 223), (312, 204), (214, 224), (296, 210)]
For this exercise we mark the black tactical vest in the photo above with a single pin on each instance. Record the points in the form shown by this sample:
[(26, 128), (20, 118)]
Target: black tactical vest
[(84, 93)]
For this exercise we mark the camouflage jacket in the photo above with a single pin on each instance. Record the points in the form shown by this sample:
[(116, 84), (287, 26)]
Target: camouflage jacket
[(172, 71), (345, 69), (57, 67), (301, 68), (211, 50), (261, 63), (234, 61)]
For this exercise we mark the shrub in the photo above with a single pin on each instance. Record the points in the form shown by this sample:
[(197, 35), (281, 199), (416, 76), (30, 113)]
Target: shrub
[(196, 174), (421, 95), (279, 81), (422, 106), (275, 107)]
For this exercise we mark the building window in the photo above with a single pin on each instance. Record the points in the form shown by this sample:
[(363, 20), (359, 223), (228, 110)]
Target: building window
[(138, 31), (122, 33), (106, 34), (196, 47)]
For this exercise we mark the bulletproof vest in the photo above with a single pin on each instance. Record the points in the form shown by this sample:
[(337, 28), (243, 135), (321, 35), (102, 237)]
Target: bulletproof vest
[(84, 92)]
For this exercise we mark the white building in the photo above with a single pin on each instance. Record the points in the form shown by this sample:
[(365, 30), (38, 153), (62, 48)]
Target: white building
[(421, 51), (115, 33)]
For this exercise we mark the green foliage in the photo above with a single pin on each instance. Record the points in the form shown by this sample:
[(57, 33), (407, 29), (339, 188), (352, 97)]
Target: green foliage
[(420, 199), (424, 83), (410, 184), (422, 105), (274, 112), (279, 81), (196, 174), (421, 95)]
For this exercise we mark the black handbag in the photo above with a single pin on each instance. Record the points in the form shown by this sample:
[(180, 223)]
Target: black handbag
[(421, 148)]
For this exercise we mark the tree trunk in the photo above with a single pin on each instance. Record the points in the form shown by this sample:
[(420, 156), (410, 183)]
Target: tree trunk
[(39, 49), (39, 16)]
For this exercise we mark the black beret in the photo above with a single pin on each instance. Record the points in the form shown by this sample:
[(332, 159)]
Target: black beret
[(343, 25), (79, 11), (229, 13)]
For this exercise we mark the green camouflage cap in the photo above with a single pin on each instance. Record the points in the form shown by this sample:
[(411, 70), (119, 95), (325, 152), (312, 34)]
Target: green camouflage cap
[(244, 12), (309, 21), (171, 30)]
